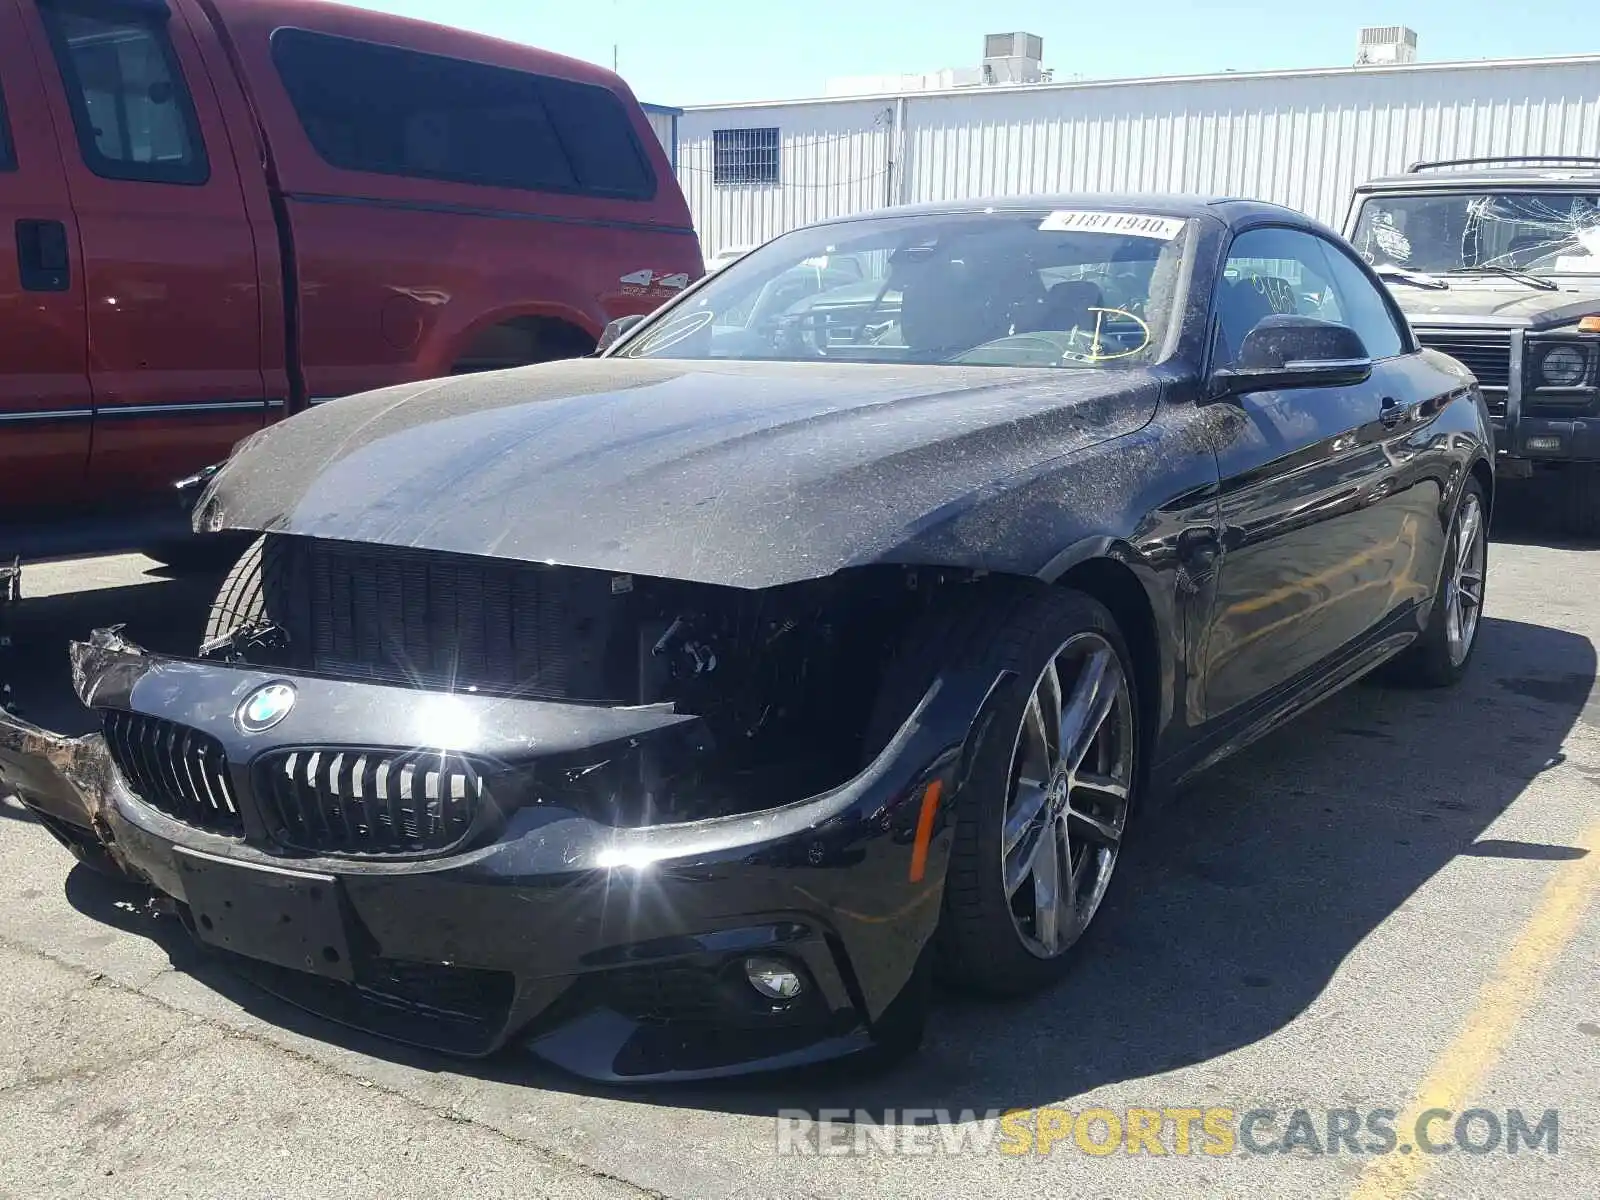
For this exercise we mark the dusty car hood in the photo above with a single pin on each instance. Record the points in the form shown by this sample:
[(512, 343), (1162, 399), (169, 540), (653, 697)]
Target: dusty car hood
[(1514, 306), (747, 474)]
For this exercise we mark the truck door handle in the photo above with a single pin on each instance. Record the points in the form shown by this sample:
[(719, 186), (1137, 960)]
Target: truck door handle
[(44, 263), (1391, 412)]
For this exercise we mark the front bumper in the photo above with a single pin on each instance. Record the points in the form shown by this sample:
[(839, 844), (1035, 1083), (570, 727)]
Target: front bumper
[(612, 952), (1553, 439)]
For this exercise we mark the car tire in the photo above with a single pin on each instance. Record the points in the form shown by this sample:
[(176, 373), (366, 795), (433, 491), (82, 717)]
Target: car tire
[(1439, 658), (239, 600), (995, 935), (1579, 512)]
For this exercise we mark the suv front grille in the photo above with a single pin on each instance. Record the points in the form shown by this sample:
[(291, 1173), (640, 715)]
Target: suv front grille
[(344, 801), (1486, 353), (174, 769)]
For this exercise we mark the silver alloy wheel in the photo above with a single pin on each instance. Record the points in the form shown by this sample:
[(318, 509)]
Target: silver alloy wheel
[(1071, 775), (1463, 595)]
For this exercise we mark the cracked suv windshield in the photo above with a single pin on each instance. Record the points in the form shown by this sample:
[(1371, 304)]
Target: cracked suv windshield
[(1504, 233), (1039, 289)]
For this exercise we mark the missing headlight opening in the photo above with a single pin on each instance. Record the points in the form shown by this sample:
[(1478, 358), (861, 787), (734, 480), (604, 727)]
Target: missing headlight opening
[(782, 679)]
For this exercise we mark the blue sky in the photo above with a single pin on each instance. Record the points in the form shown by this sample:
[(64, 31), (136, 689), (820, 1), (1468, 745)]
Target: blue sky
[(707, 51)]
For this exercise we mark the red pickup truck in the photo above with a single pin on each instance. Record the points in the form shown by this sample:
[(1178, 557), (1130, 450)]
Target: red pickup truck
[(221, 211)]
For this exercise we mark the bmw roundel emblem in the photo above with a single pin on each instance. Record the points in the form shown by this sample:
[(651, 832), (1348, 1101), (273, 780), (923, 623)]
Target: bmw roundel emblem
[(265, 707)]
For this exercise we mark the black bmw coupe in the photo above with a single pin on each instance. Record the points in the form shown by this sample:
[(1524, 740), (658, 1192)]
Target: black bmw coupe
[(678, 711)]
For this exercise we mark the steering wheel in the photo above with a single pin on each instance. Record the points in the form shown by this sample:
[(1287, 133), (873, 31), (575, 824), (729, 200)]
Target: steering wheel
[(1095, 338), (802, 333)]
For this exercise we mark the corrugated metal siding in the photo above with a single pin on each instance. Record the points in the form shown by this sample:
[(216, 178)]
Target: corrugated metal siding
[(833, 160), (1304, 140), (665, 123)]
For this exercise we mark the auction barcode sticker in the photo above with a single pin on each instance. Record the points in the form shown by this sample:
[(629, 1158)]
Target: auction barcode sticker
[(1136, 224)]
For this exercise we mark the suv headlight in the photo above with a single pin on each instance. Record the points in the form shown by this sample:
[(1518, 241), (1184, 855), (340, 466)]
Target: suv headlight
[(1564, 367)]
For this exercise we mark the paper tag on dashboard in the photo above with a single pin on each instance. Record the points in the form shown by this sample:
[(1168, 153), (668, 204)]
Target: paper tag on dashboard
[(1133, 224)]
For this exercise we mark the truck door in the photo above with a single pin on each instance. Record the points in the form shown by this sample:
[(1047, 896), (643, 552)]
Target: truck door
[(44, 374), (174, 303)]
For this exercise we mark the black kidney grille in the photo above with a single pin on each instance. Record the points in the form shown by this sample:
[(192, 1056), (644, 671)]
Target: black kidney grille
[(435, 620), (177, 770), (1486, 353), (369, 802)]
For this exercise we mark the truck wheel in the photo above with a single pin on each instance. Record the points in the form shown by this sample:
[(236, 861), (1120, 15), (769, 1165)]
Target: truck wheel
[(1580, 500)]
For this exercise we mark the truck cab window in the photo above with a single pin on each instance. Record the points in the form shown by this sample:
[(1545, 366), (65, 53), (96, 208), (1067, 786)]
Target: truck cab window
[(134, 116), (394, 111)]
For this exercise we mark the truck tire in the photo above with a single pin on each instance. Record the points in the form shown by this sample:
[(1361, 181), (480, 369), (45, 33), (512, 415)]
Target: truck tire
[(1579, 512)]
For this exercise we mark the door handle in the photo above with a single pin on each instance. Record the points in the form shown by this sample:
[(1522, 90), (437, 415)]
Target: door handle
[(1391, 412), (1199, 548), (44, 263)]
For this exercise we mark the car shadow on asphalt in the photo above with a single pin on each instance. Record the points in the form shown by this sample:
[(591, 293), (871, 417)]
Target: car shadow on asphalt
[(1524, 516), (166, 615), (1227, 919)]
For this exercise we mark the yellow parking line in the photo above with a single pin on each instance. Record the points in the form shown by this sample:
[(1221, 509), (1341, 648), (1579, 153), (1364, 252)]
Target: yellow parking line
[(1510, 992)]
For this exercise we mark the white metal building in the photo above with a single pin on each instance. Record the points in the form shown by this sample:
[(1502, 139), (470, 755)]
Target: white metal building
[(1301, 138), (664, 122)]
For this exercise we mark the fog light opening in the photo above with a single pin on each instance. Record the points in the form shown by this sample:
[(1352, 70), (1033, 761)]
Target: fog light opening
[(774, 978)]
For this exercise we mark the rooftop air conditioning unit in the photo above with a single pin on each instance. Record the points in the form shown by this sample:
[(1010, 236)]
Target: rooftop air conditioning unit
[(1013, 58), (1386, 46)]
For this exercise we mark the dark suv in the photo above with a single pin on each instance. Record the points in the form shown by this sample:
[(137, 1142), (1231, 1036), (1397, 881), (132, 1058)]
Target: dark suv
[(1496, 262)]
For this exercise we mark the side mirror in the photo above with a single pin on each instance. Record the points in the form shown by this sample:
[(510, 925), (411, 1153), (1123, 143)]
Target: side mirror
[(1289, 351), (615, 330)]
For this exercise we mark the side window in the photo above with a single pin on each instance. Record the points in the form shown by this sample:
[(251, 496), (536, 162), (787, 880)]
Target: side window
[(392, 111), (8, 156), (598, 137), (134, 116), (1271, 271), (1361, 305)]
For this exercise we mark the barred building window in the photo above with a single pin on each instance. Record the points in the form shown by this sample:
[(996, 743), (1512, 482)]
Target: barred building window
[(744, 156)]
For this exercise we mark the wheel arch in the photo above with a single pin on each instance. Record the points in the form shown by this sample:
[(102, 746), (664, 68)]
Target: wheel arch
[(1109, 579), (1484, 474)]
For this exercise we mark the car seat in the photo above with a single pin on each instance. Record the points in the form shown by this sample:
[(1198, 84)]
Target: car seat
[(949, 306), (1069, 305), (1241, 306)]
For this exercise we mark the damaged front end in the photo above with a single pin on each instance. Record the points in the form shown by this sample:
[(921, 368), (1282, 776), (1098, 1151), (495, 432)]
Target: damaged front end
[(67, 782), (465, 802)]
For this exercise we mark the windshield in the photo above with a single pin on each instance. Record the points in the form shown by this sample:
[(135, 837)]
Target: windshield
[(1091, 290), (1541, 233)]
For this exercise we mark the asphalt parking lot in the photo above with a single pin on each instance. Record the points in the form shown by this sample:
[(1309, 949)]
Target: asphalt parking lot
[(1388, 905)]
